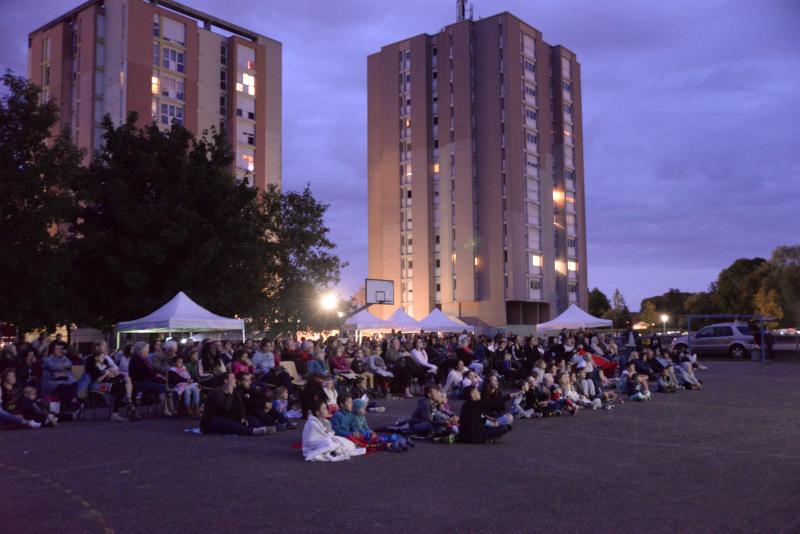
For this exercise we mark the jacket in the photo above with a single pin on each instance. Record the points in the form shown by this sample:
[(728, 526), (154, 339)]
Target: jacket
[(221, 404), (343, 423)]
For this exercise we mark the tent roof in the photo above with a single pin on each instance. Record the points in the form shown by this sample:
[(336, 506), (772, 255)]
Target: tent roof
[(572, 318), (364, 320), (400, 320), (181, 314), (437, 321)]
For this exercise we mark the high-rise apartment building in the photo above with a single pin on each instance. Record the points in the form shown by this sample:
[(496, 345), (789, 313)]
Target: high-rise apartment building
[(476, 193), (169, 63)]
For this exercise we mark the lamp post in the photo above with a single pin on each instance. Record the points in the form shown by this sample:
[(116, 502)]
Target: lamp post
[(664, 319)]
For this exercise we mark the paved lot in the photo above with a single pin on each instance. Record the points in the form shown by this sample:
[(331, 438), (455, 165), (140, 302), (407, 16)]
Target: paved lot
[(725, 459)]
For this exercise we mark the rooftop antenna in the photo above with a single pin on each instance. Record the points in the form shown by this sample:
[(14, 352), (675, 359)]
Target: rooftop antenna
[(460, 10)]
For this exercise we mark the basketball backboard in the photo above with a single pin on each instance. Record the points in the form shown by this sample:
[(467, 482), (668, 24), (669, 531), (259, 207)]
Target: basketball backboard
[(379, 291)]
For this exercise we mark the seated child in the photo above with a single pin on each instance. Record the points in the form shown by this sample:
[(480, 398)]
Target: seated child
[(320, 443), (422, 421), (342, 421), (360, 425), (282, 411), (31, 410), (666, 383), (638, 390), (360, 391), (331, 395)]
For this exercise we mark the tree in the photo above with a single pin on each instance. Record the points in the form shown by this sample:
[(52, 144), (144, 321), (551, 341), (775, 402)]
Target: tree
[(301, 261), (672, 303), (702, 303), (649, 314), (737, 285), (598, 302), (35, 206), (784, 278), (766, 304), (619, 312), (161, 213)]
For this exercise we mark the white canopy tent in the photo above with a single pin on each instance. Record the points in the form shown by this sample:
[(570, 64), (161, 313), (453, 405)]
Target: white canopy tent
[(400, 320), (364, 320), (436, 321), (573, 318), (181, 314)]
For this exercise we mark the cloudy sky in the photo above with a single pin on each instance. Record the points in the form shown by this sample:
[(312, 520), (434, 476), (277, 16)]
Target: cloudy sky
[(691, 117)]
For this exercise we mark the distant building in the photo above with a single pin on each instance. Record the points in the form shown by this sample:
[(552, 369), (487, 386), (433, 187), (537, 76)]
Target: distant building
[(167, 62), (476, 190)]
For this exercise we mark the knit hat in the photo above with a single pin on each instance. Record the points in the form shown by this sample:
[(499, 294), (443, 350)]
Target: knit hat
[(359, 405)]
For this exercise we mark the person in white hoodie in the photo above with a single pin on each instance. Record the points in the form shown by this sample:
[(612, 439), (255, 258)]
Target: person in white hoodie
[(320, 443)]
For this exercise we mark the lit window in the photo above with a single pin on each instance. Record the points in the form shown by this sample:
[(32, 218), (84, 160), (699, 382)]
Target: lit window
[(251, 64), (251, 90), (435, 167), (247, 79), (558, 196), (239, 87), (476, 261), (572, 266), (249, 162), (570, 198), (536, 260), (154, 84)]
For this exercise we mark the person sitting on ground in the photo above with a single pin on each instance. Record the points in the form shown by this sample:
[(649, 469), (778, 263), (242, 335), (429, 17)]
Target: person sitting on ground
[(524, 406), (360, 426), (638, 390), (106, 377), (342, 421), (29, 370), (331, 395), (144, 377), (256, 403), (282, 409), (312, 392), (422, 422), (454, 379), (666, 382), (495, 401), (57, 379), (687, 377), (225, 412), (12, 393), (475, 425), (360, 391), (471, 378), (320, 443), (184, 386), (10, 420), (30, 408)]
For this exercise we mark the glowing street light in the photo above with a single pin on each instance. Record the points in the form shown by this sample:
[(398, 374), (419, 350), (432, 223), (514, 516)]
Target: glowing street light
[(664, 319), (328, 302)]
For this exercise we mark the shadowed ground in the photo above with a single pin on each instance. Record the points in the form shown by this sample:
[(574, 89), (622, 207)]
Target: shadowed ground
[(724, 459)]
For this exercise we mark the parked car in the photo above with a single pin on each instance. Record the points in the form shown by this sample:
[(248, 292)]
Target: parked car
[(722, 339)]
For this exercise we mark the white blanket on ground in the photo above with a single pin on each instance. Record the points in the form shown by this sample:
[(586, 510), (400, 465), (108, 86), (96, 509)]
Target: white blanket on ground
[(320, 444)]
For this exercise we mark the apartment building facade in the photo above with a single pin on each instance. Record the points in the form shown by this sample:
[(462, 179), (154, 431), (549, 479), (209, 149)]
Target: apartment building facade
[(169, 63), (475, 172)]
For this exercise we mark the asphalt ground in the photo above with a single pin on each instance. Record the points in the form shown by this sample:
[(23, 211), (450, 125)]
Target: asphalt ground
[(723, 459)]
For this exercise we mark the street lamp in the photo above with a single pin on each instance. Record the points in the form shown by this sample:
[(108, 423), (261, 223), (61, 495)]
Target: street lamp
[(329, 301), (664, 319)]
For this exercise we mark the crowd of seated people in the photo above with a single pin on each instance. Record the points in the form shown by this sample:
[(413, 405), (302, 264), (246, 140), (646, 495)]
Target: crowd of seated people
[(258, 387)]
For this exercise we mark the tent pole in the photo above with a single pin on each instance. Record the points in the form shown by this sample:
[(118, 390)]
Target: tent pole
[(243, 338), (117, 340)]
